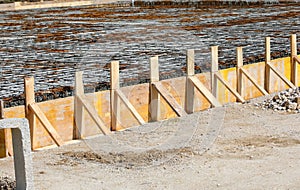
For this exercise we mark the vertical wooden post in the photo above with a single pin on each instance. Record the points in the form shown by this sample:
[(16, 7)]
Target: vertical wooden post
[(1, 109), (114, 98), (30, 99), (7, 145), (154, 104), (267, 67), (214, 69), (190, 89), (294, 64), (239, 74), (78, 107)]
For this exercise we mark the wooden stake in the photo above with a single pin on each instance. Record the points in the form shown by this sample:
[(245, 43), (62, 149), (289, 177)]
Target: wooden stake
[(294, 64), (115, 101), (78, 131), (1, 109), (214, 70), (29, 99), (154, 104), (239, 74), (190, 89), (267, 67), (7, 145)]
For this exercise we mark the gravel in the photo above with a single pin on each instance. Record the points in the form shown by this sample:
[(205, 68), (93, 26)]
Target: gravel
[(284, 101)]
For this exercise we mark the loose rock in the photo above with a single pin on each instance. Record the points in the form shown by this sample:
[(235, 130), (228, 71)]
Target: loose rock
[(288, 100)]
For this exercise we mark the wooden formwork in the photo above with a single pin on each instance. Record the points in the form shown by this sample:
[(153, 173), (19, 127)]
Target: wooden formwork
[(58, 121)]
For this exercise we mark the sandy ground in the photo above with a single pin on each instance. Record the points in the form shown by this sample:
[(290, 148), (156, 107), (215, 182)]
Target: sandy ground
[(237, 146)]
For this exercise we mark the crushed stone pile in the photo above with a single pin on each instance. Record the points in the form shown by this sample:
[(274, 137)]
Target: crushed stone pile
[(7, 183), (284, 101)]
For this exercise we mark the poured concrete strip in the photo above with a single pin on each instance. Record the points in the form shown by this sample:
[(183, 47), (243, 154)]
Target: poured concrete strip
[(22, 151)]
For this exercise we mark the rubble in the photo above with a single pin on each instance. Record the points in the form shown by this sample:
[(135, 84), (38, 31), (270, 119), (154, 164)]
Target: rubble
[(284, 101)]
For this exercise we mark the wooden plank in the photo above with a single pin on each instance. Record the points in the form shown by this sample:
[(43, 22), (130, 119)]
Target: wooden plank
[(130, 107), (29, 99), (78, 129), (281, 76), (254, 82), (205, 92), (154, 99), (114, 99), (190, 89), (154, 69), (239, 74), (94, 115), (114, 75), (214, 69), (7, 144), (297, 59), (267, 83), (1, 109), (170, 99), (227, 85), (190, 62), (47, 125), (294, 65)]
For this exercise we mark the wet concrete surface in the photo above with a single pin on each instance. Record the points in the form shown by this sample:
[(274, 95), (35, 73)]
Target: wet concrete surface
[(51, 44)]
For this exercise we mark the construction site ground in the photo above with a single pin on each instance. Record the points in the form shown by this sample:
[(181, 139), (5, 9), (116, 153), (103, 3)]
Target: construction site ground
[(237, 146)]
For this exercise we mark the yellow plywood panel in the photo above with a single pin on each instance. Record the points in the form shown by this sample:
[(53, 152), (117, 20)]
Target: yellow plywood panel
[(60, 111)]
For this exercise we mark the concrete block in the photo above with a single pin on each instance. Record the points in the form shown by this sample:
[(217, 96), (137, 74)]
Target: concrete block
[(22, 151)]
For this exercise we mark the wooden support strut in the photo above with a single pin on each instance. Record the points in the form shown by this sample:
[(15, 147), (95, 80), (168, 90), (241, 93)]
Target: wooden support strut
[(281, 76), (215, 76), (205, 92), (117, 94), (193, 82), (267, 66), (32, 110), (114, 99), (82, 103), (94, 115), (45, 122), (130, 107), (170, 99), (241, 71), (190, 89), (78, 107), (29, 98), (294, 58), (214, 70), (239, 74), (154, 99), (7, 146), (227, 85), (157, 89)]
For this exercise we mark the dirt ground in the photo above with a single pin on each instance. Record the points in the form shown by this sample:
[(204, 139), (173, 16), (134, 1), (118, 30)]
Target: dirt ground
[(238, 146)]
